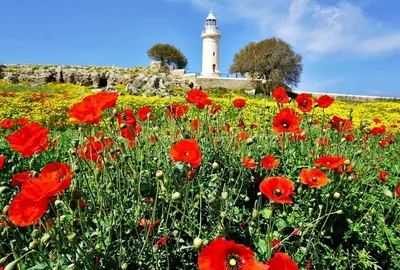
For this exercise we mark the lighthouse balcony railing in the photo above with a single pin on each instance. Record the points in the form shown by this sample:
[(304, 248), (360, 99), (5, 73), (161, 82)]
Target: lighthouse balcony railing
[(216, 31), (222, 75)]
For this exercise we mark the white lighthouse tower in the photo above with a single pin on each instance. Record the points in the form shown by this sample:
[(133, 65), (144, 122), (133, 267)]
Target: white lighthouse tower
[(210, 36)]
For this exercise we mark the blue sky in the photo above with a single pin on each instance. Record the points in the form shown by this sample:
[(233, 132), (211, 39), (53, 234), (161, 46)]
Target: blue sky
[(348, 46)]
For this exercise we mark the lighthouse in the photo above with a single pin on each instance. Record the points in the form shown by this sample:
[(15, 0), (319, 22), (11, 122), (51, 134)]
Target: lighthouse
[(210, 36)]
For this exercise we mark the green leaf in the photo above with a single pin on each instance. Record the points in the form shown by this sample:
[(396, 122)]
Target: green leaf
[(266, 213), (281, 224)]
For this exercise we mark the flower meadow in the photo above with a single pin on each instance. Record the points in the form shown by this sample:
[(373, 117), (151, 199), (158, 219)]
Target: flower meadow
[(108, 181)]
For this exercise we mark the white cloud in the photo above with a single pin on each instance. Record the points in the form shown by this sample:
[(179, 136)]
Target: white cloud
[(310, 26)]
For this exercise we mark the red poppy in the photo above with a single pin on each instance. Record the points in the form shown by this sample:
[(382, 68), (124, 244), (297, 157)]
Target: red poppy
[(242, 136), (390, 140), (383, 176), (95, 147), (398, 190), (350, 137), (269, 162), (2, 160), (341, 125), (225, 255), (304, 102), (148, 224), (63, 169), (275, 243), (198, 98), (393, 126), (215, 109), (278, 189), (322, 142), (162, 241), (330, 162), (7, 124), (196, 124), (22, 121), (239, 103), (90, 109), (379, 130), (324, 101), (281, 261), (144, 113), (31, 203), (249, 163), (24, 211), (377, 120), (126, 117), (313, 178), (383, 143), (20, 178), (186, 151), (279, 94), (176, 110), (30, 139), (285, 121), (153, 139)]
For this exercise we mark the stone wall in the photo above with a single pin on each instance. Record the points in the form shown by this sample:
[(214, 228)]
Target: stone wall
[(231, 83)]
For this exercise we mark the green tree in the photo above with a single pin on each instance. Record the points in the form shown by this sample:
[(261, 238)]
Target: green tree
[(270, 59), (168, 55)]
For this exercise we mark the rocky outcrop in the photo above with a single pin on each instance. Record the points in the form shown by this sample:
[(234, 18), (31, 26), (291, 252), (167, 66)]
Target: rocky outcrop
[(138, 81)]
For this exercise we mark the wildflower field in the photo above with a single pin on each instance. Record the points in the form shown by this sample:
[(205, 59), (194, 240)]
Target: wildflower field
[(204, 181)]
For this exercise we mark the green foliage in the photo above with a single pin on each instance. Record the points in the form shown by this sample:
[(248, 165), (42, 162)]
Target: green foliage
[(270, 59), (168, 55)]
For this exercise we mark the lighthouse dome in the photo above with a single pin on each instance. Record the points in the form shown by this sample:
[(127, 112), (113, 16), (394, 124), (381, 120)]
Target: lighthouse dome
[(211, 16)]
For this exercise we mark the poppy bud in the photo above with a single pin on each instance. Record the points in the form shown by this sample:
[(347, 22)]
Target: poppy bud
[(222, 214), (339, 212), (62, 218), (124, 266), (159, 174), (347, 162), (35, 234), (72, 237), (336, 195), (176, 196), (175, 233), (5, 209), (76, 168), (4, 189), (71, 266), (246, 199), (249, 141), (342, 140), (33, 245), (254, 213), (191, 175), (215, 165), (224, 195), (45, 238), (197, 243), (73, 205)]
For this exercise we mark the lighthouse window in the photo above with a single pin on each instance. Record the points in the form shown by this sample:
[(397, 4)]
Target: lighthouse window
[(213, 53)]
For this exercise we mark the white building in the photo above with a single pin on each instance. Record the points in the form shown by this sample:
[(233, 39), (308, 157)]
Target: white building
[(210, 36)]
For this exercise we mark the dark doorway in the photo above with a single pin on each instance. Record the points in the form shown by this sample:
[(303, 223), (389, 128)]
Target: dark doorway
[(213, 68), (102, 82)]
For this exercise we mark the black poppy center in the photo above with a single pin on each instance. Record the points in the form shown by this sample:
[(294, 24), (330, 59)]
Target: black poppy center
[(304, 103), (314, 179), (233, 261), (285, 125), (278, 192)]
